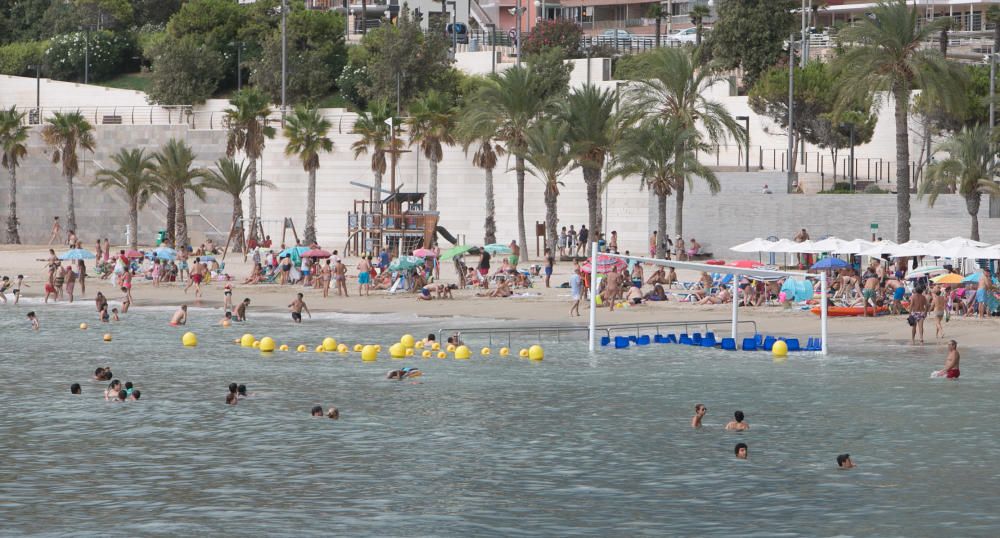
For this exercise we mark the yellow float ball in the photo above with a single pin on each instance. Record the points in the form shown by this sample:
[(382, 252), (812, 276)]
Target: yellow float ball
[(504, 352), (397, 351), (378, 348), (284, 347), (302, 348), (779, 349), (246, 340), (255, 344), (436, 346), (451, 348), (329, 344), (419, 344), (409, 352), (462, 352), (523, 353), (189, 339), (266, 344), (536, 353), (442, 355), (485, 351), (369, 353), (319, 348), (83, 326), (426, 354), (407, 340), (342, 348), (107, 337), (358, 347)]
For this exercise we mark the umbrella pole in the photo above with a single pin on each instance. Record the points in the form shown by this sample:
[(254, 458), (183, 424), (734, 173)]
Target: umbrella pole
[(736, 299), (823, 313), (593, 295)]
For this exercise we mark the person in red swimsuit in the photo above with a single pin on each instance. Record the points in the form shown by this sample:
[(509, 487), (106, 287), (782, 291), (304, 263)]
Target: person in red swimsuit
[(950, 369)]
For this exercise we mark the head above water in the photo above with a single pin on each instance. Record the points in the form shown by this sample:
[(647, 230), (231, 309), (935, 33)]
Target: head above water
[(333, 413), (700, 409), (738, 416), (844, 461), (136, 394), (232, 388), (241, 390), (74, 388), (122, 394), (742, 451), (317, 411)]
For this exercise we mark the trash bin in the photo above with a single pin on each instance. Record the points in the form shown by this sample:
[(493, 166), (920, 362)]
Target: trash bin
[(161, 236), (473, 44)]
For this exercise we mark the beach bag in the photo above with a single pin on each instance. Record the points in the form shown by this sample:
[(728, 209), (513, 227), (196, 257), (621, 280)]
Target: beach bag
[(912, 321)]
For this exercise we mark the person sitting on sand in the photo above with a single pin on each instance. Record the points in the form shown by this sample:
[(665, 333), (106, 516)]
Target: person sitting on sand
[(634, 296), (443, 291), (425, 293), (502, 290), (737, 424), (180, 316), (719, 298), (658, 294)]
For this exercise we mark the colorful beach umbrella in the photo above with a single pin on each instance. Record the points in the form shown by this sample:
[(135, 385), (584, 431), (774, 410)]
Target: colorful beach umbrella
[(925, 271), (165, 253), (605, 263), (830, 263), (295, 252), (424, 253), (133, 254), (950, 278), (206, 258), (77, 254), (316, 253), (497, 248), (405, 263), (455, 251)]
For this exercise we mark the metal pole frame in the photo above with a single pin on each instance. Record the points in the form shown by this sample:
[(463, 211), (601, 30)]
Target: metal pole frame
[(593, 296), (791, 110), (284, 56), (518, 11)]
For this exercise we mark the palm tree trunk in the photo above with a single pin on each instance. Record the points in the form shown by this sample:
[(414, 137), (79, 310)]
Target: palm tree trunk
[(70, 205), (171, 218), (238, 221), (252, 198), (697, 34), (310, 231), (133, 222), (659, 22), (432, 190), (972, 205), (522, 237), (551, 219), (901, 95), (490, 227), (592, 177), (12, 236), (182, 227), (943, 42), (378, 186), (661, 224), (679, 211)]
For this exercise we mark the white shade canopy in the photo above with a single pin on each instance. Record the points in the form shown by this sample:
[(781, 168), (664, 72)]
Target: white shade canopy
[(855, 246), (830, 244), (780, 246), (754, 245)]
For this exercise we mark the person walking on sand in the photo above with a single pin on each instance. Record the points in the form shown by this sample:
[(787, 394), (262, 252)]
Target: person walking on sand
[(364, 276), (575, 288), (340, 274), (985, 287), (56, 232), (919, 307), (326, 276), (297, 306), (939, 302), (197, 272)]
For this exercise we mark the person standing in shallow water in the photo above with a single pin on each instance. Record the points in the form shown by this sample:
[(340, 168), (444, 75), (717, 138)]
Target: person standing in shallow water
[(737, 424), (699, 413)]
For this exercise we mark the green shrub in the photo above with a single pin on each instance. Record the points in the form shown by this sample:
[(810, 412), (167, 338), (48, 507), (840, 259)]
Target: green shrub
[(110, 55), (352, 79), (874, 189), (561, 33), (16, 57)]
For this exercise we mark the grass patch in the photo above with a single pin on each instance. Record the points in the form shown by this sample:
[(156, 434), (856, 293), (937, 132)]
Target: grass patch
[(129, 81)]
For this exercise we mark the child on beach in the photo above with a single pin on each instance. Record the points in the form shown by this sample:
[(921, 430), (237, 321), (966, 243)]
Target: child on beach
[(17, 288), (34, 320), (4, 285)]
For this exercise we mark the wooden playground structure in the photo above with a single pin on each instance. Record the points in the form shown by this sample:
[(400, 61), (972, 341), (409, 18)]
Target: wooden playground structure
[(397, 224)]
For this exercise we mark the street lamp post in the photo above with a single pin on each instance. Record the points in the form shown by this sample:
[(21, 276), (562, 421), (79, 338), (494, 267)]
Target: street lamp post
[(852, 157), (86, 56), (284, 55), (454, 27), (518, 10), (746, 121), (791, 112), (38, 92)]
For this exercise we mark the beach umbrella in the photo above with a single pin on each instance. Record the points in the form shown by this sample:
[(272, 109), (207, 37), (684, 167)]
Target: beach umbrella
[(829, 263), (829, 244), (404, 263), (974, 277), (77, 254), (754, 245), (925, 271), (950, 278), (165, 253), (132, 254), (295, 252), (316, 253), (855, 246), (497, 248), (605, 263), (206, 258), (455, 251), (782, 246), (879, 248), (424, 253), (745, 264), (962, 242)]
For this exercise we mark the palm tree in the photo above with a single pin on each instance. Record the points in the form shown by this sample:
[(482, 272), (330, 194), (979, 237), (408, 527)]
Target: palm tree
[(590, 116), (306, 131), (993, 17), (233, 178), (134, 177), (656, 11), (432, 123), (970, 170), (662, 154), (13, 135), (675, 91), (376, 138), (246, 123), (486, 157), (510, 104), (698, 15), (176, 175), (547, 151), (66, 133), (888, 57)]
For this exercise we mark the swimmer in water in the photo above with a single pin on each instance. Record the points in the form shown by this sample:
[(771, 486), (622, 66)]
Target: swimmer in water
[(742, 451), (135, 395), (699, 413), (403, 373), (34, 320), (297, 306), (241, 310), (75, 389), (844, 462), (180, 317), (227, 319), (231, 398), (103, 373), (112, 389), (241, 392), (737, 424), (333, 413), (317, 411), (950, 369), (121, 396), (114, 315)]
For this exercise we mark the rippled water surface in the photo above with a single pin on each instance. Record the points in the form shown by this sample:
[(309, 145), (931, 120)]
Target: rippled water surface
[(493, 446)]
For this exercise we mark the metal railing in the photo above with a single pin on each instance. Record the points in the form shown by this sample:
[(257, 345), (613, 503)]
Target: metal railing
[(557, 332), (115, 115)]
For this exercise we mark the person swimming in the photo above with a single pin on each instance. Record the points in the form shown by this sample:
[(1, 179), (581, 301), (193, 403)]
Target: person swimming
[(333, 413), (34, 320), (180, 316), (317, 411), (699, 413), (742, 451), (121, 396), (241, 391), (103, 373), (135, 394), (844, 462), (112, 389), (403, 373), (737, 423), (231, 398), (75, 389)]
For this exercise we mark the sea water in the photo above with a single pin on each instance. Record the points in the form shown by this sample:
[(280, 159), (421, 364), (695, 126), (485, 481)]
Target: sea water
[(577, 444)]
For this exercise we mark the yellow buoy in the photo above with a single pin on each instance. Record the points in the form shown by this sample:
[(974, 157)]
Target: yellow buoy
[(284, 347), (409, 352), (407, 340), (302, 348), (504, 352), (246, 340), (779, 349), (329, 344), (485, 351), (226, 323), (442, 355), (107, 337), (189, 339), (378, 348), (462, 352), (83, 326), (436, 346), (369, 353), (267, 344), (523, 353), (358, 347), (536, 353), (342, 348), (426, 354), (255, 344), (419, 344), (397, 351), (451, 348), (319, 348)]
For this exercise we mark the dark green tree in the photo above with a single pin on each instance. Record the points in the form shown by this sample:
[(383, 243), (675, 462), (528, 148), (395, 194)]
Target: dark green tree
[(316, 56), (750, 34), (185, 72)]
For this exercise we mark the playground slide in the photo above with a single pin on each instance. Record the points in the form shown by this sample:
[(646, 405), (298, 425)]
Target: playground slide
[(448, 237)]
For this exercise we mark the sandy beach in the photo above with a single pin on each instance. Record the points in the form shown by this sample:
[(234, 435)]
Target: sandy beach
[(540, 305)]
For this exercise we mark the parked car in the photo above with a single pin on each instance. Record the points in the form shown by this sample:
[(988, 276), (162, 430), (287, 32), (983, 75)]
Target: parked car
[(687, 35), (460, 31), (612, 36)]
